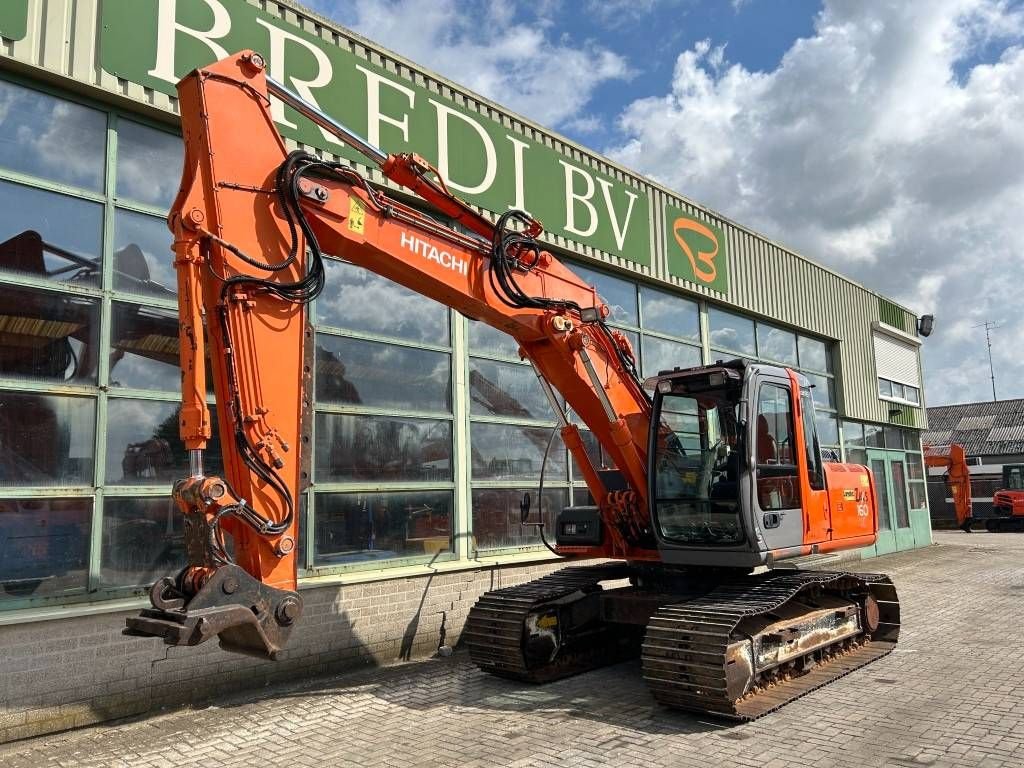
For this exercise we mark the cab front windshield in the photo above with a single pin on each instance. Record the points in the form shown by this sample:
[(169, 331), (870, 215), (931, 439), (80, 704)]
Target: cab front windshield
[(697, 470)]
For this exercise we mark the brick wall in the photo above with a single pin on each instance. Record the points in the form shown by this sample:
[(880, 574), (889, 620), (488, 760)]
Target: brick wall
[(66, 673)]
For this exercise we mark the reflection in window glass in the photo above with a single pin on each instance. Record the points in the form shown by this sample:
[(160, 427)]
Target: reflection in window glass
[(598, 457), (664, 355), (44, 546), (899, 491), (46, 440), (884, 388), (915, 469), (814, 355), (873, 436), (364, 373), (485, 340), (893, 438), (143, 540), (666, 313), (41, 135), (361, 527), (47, 335), (918, 496), (144, 446), (507, 452), (496, 516), (828, 429), (618, 294), (822, 391), (143, 261), (776, 344), (853, 434), (731, 332), (506, 389), (358, 300), (141, 150), (49, 235), (350, 447), (144, 347), (857, 456), (778, 485)]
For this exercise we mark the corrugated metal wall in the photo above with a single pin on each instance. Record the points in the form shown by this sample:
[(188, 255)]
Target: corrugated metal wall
[(765, 278)]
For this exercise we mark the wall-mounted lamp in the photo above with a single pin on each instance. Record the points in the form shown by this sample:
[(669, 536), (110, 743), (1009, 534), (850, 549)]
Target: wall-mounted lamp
[(925, 325)]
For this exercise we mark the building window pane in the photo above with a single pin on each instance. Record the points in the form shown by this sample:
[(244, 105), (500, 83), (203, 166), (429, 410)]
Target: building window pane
[(496, 516), (143, 539), (506, 389), (814, 355), (884, 388), (47, 335), (873, 436), (912, 440), (912, 394), (918, 496), (143, 260), (858, 456), (382, 375), (915, 469), (822, 391), (893, 438), (507, 452), (144, 347), (353, 448), (358, 300), (49, 235), (144, 446), (44, 546), (46, 440), (776, 344), (731, 332), (664, 355), (853, 434), (485, 340), (670, 314), (148, 164), (828, 429), (361, 527), (618, 294), (41, 135)]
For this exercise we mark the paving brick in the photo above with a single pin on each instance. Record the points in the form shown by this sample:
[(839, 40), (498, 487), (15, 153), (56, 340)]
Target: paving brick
[(951, 695)]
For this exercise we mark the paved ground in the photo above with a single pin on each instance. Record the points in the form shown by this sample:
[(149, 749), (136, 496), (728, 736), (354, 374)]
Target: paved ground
[(951, 695)]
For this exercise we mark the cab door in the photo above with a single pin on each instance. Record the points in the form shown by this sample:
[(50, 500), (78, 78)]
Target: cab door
[(776, 477)]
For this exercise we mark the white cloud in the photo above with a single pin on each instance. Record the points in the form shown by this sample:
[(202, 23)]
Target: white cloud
[(483, 46), (877, 147)]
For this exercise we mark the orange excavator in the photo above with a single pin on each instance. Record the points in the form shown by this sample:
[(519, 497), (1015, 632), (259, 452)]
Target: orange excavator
[(958, 480), (716, 471)]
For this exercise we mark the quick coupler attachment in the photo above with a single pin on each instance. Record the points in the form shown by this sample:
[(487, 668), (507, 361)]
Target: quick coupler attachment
[(249, 617)]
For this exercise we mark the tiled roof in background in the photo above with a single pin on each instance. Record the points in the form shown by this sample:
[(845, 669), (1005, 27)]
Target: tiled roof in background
[(983, 429)]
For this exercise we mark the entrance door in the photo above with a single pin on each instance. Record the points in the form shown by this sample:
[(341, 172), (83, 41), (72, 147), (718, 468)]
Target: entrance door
[(894, 531)]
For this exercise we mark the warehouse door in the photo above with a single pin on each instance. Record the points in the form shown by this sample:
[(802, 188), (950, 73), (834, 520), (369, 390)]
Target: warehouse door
[(894, 531)]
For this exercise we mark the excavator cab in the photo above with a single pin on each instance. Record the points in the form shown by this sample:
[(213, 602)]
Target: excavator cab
[(737, 478)]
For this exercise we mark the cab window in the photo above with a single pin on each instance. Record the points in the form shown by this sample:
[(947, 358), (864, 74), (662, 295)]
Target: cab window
[(778, 482)]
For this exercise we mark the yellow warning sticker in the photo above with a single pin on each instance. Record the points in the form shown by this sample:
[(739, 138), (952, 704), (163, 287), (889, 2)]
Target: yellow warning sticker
[(356, 215), (849, 494), (547, 622)]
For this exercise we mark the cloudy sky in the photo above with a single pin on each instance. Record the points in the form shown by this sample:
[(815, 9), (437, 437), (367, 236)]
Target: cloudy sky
[(883, 138)]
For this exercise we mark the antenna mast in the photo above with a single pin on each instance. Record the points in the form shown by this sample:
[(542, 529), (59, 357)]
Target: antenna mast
[(989, 326)]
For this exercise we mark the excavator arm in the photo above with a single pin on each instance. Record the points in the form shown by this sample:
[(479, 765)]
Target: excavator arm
[(251, 225), (958, 480)]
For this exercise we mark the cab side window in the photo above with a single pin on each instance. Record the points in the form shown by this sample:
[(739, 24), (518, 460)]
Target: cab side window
[(778, 482)]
